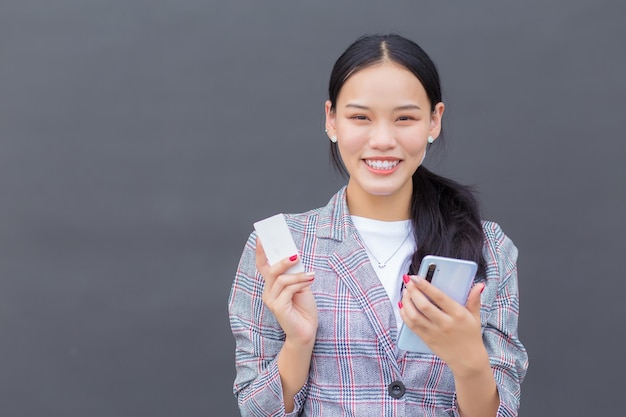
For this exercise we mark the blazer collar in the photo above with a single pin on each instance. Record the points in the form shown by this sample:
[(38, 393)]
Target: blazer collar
[(350, 262), (336, 222)]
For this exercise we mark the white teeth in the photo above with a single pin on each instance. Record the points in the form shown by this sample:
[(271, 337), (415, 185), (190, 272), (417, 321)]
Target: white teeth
[(383, 165)]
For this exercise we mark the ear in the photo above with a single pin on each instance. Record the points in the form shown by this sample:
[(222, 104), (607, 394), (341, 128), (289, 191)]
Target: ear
[(435, 120), (330, 119)]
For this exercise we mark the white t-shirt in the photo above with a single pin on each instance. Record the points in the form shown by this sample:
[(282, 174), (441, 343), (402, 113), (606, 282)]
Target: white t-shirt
[(382, 238)]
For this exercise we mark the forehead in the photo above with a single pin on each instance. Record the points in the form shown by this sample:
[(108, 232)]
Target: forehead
[(383, 83)]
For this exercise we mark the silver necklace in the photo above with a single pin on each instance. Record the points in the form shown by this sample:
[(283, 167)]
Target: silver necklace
[(381, 265)]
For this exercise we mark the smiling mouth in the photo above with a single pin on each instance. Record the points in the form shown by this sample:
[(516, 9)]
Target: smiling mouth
[(381, 165)]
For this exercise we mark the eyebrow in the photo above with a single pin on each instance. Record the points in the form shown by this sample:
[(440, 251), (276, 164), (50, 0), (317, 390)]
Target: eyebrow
[(405, 107)]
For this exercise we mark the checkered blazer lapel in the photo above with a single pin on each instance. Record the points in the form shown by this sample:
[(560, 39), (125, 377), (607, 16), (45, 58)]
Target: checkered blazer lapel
[(350, 262)]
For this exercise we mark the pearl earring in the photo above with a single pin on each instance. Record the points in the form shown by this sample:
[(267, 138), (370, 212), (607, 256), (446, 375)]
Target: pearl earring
[(333, 138), (431, 139)]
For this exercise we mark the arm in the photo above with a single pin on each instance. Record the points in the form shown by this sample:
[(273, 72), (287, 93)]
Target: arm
[(293, 366), (507, 355), (453, 333), (272, 364), (476, 391), (488, 368)]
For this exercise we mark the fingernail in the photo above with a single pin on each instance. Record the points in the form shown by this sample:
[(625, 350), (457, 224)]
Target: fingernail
[(311, 275), (293, 257), (482, 289), (406, 278), (400, 304)]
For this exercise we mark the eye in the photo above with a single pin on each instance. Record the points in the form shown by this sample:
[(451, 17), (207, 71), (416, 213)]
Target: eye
[(405, 118), (358, 117)]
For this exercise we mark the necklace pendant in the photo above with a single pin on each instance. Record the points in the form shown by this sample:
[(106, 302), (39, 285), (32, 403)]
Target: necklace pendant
[(373, 257)]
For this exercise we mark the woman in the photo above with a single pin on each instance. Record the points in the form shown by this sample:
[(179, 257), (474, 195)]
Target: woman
[(323, 342)]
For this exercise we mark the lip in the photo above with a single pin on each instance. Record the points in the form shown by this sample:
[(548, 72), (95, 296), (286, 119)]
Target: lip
[(382, 171)]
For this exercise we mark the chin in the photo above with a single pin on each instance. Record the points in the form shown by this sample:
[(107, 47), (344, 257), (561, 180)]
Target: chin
[(381, 190)]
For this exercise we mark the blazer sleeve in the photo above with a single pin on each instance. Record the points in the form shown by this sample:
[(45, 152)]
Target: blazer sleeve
[(258, 340), (500, 311)]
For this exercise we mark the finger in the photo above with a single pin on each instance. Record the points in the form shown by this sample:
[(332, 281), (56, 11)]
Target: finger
[(473, 301), (437, 297), (423, 304), (282, 282), (277, 302), (286, 296), (261, 258), (262, 265), (280, 267), (411, 315), (270, 272)]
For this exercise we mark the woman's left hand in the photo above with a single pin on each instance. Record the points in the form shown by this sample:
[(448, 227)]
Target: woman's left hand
[(451, 330)]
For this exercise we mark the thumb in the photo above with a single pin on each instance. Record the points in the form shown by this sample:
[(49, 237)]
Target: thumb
[(473, 301)]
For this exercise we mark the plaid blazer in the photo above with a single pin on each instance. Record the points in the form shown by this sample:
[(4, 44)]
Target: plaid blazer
[(354, 367)]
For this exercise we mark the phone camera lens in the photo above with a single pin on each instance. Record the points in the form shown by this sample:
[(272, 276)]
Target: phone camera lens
[(431, 272)]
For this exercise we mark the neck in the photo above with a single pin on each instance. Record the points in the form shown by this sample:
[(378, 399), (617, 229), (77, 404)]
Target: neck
[(392, 207)]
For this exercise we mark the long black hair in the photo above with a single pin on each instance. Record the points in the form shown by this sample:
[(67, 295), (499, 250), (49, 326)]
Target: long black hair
[(444, 213)]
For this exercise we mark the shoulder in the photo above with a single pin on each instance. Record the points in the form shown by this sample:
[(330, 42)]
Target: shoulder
[(498, 249), (299, 222), (329, 221), (319, 221)]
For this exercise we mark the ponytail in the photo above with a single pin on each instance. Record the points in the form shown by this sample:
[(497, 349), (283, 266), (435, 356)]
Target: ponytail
[(446, 220)]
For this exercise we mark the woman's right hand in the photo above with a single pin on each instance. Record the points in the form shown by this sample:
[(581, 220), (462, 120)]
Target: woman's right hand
[(289, 297)]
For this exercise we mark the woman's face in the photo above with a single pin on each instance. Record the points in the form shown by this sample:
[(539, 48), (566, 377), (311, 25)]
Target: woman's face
[(382, 120)]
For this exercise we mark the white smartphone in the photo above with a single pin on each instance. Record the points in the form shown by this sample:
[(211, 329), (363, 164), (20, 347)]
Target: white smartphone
[(277, 241), (454, 277)]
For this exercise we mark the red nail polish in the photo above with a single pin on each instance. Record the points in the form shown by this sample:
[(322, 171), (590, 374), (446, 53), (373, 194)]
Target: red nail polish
[(406, 278), (400, 304), (293, 257), (482, 289)]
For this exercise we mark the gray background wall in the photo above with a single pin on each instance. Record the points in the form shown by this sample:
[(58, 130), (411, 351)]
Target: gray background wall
[(139, 140)]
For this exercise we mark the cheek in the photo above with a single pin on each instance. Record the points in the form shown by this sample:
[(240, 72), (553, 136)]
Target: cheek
[(351, 141), (413, 142), (349, 152)]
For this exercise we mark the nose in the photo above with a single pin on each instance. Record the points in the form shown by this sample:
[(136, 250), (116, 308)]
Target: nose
[(382, 137)]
